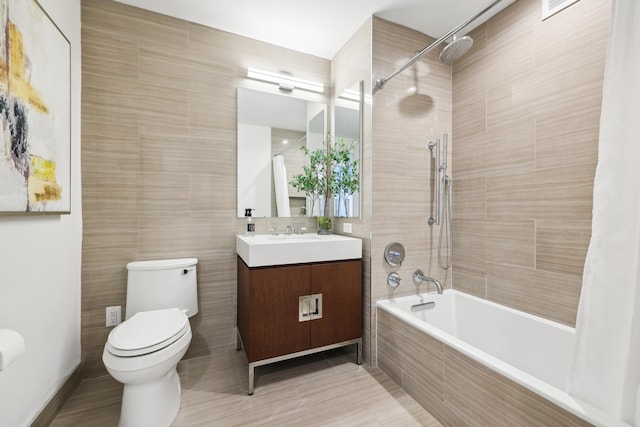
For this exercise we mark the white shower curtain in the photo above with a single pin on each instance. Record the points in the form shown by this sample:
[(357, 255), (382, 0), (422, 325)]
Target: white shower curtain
[(606, 367), (281, 186)]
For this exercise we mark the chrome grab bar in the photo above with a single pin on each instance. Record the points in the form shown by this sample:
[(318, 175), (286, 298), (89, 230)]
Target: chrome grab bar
[(423, 306)]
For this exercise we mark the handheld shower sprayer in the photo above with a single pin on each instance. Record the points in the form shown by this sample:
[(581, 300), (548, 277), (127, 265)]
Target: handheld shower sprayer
[(443, 210)]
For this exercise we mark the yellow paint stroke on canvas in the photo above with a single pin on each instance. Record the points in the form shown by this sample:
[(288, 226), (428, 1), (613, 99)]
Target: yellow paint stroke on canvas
[(4, 77), (19, 85), (42, 184)]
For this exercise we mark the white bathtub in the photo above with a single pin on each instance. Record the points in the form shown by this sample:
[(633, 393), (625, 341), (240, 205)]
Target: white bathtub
[(529, 350)]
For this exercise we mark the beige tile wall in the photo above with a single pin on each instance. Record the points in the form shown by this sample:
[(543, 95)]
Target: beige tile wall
[(404, 121), (159, 110), (526, 106), (351, 64), (159, 158)]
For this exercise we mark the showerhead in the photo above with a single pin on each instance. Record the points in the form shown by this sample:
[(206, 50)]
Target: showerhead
[(455, 49)]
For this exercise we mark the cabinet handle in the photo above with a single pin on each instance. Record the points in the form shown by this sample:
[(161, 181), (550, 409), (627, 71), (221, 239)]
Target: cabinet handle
[(305, 305)]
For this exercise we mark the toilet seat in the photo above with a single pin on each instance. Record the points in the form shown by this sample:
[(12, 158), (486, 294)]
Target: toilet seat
[(147, 332)]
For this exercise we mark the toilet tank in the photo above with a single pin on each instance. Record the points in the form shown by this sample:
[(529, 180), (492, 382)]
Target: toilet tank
[(164, 283)]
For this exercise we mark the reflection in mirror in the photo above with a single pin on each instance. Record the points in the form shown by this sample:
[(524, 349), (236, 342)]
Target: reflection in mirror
[(271, 130), (348, 128)]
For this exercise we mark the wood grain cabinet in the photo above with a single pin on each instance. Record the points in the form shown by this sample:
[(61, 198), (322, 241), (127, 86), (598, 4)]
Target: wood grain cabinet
[(288, 311)]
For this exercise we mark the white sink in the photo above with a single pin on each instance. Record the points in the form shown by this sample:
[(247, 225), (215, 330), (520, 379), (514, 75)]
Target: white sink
[(264, 249)]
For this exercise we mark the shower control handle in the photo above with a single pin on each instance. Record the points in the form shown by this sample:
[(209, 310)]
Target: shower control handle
[(394, 280)]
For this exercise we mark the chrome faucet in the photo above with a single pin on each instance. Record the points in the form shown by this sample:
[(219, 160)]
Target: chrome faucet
[(288, 230), (273, 231), (419, 277)]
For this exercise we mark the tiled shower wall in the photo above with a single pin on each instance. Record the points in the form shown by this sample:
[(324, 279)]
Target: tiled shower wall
[(526, 108), (412, 109), (159, 158)]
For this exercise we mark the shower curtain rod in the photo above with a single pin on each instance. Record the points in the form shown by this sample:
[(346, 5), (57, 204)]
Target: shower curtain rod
[(381, 82)]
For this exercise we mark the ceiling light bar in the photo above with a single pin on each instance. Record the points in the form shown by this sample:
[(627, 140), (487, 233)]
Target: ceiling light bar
[(284, 81), (350, 95)]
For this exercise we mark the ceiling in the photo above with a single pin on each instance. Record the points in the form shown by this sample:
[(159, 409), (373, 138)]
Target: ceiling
[(320, 27)]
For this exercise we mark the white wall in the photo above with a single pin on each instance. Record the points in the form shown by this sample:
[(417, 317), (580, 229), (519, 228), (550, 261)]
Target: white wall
[(254, 177), (40, 259)]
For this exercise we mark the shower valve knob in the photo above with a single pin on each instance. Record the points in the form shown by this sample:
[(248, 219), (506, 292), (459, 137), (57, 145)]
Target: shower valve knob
[(394, 280)]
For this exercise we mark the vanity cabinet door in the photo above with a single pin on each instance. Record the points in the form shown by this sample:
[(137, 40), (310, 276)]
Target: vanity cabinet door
[(340, 284), (268, 300)]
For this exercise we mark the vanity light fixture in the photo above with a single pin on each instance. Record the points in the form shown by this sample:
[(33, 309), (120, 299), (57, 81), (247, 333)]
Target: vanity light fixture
[(284, 82), (350, 95)]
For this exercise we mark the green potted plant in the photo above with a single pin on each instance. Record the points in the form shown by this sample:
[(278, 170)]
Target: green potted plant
[(315, 182), (331, 170), (344, 177)]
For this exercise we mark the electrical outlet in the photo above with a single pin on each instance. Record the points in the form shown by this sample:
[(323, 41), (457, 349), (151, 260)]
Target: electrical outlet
[(346, 227), (114, 315)]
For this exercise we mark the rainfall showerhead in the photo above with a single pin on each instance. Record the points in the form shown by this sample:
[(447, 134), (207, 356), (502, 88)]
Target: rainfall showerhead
[(455, 49)]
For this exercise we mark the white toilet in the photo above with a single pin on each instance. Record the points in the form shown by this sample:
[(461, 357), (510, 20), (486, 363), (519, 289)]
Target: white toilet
[(143, 351)]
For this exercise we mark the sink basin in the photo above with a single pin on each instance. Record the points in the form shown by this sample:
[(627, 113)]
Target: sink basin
[(265, 249)]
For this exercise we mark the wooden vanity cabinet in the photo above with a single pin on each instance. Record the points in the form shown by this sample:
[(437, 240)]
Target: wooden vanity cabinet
[(268, 310), (269, 325), (340, 283)]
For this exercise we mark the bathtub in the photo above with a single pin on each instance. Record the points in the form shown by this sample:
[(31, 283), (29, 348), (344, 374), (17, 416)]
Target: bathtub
[(465, 359)]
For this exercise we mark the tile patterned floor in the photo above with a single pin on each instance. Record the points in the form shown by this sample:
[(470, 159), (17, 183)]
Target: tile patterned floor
[(326, 389)]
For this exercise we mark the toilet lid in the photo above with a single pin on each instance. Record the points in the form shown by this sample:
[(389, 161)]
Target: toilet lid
[(147, 331)]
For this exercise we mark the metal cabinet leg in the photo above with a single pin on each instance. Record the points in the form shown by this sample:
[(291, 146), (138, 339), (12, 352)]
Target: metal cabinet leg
[(251, 371), (256, 363)]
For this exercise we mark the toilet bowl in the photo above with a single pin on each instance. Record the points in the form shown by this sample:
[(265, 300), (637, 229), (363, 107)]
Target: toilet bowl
[(144, 350), (143, 353)]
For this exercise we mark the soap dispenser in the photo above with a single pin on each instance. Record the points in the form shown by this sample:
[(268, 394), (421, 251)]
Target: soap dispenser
[(251, 226)]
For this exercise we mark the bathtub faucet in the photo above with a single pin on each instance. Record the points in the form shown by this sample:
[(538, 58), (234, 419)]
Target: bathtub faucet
[(419, 277)]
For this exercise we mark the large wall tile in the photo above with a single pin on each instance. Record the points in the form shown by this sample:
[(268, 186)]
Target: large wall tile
[(469, 281), (470, 198), (551, 295), (159, 159), (532, 168), (561, 246), (556, 193), (569, 138)]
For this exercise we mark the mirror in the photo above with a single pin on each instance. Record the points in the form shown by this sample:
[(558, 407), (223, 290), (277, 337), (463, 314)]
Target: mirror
[(348, 128), (271, 130)]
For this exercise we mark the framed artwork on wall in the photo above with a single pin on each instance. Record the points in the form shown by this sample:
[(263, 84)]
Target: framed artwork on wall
[(35, 111)]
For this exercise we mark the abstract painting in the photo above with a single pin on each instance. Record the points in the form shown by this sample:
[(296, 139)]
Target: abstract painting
[(35, 111)]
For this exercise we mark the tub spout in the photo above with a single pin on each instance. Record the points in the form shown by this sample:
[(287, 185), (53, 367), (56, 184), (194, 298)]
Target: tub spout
[(419, 277)]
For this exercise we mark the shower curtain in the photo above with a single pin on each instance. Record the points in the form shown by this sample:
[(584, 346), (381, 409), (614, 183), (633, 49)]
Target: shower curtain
[(606, 366), (281, 186)]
